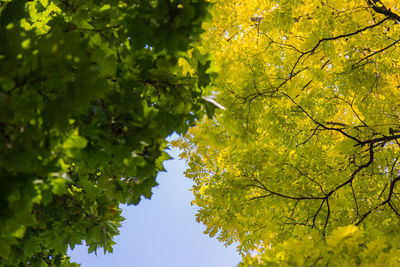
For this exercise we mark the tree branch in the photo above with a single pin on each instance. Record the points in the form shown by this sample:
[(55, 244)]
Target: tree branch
[(380, 8)]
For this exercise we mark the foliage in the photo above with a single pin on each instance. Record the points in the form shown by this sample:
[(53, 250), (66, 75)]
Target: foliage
[(89, 90), (302, 168)]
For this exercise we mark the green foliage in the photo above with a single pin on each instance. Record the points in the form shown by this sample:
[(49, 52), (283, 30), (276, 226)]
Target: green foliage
[(89, 90), (302, 168)]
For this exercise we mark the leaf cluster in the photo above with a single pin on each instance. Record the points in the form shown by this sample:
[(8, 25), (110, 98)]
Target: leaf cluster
[(309, 142), (89, 90)]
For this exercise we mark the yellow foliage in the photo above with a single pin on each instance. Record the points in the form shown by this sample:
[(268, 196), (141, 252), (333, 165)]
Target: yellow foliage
[(308, 144)]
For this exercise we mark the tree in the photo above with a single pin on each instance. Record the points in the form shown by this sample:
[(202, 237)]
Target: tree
[(89, 92), (302, 168)]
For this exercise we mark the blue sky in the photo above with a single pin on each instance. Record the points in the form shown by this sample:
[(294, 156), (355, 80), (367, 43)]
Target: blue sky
[(162, 232)]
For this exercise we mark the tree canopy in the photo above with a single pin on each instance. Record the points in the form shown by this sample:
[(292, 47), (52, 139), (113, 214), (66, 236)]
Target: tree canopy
[(89, 90), (302, 168)]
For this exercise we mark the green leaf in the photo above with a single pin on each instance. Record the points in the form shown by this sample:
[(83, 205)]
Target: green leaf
[(58, 186)]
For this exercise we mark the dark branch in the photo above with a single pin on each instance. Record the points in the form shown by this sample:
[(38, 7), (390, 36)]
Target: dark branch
[(312, 50), (380, 8)]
